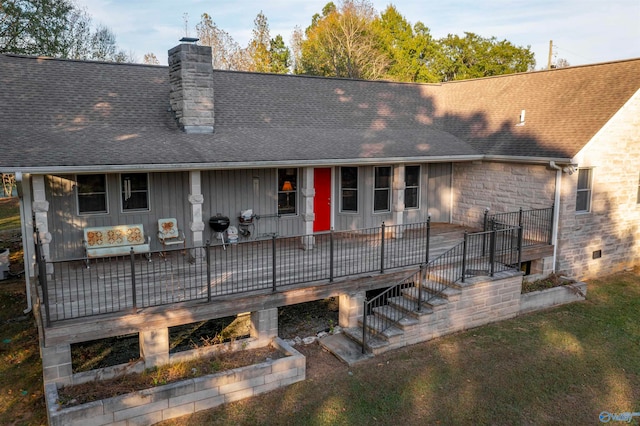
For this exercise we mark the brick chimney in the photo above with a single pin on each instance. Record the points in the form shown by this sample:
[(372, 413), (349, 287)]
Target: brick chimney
[(191, 81)]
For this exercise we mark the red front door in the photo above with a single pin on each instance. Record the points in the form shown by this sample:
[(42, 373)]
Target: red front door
[(322, 199)]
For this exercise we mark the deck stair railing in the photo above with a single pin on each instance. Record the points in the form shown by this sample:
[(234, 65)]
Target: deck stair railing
[(536, 224), (479, 253)]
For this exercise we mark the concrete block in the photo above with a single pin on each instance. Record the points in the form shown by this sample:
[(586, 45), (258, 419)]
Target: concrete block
[(152, 410), (205, 404), (177, 411)]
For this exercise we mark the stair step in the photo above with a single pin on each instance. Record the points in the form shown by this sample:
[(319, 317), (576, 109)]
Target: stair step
[(409, 306), (435, 287), (382, 327), (398, 316), (427, 297), (375, 343)]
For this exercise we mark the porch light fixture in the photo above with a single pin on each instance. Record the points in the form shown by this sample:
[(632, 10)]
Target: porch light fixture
[(287, 186)]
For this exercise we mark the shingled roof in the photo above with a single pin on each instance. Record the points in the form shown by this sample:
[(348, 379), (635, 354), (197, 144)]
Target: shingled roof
[(63, 115)]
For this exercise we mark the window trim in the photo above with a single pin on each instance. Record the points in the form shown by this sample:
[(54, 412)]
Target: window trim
[(387, 188), (638, 199), (416, 187), (294, 191), (356, 189), (588, 189), (105, 193)]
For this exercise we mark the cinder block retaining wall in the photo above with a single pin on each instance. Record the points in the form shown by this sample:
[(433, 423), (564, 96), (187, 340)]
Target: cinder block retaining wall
[(153, 405)]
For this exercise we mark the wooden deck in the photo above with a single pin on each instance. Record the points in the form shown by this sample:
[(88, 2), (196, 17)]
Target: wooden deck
[(109, 286)]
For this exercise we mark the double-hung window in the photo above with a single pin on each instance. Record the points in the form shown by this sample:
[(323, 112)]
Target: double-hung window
[(349, 189), (287, 191), (135, 191), (382, 189), (411, 187), (584, 189), (91, 192)]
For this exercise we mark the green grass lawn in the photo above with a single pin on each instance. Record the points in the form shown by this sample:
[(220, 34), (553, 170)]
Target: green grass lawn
[(562, 366), (9, 214)]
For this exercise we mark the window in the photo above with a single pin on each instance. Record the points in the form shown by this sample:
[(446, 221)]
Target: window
[(412, 187), (91, 191), (135, 191), (382, 189), (349, 188), (287, 191), (583, 194)]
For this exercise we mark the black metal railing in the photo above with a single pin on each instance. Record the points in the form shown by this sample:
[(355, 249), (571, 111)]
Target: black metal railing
[(379, 315), (479, 253), (127, 283), (537, 224)]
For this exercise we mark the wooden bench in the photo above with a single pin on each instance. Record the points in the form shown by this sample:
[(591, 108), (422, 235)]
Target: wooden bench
[(117, 240)]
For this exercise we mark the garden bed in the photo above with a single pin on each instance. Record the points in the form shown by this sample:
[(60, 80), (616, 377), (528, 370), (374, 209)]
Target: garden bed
[(184, 396), (552, 291)]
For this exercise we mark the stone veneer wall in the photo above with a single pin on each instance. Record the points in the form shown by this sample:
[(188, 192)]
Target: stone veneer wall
[(503, 187), (191, 94), (613, 224)]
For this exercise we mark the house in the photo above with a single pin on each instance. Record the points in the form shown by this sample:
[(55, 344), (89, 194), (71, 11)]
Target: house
[(95, 145)]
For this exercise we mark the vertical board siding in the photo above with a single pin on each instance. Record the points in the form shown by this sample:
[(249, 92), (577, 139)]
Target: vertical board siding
[(168, 197), (228, 192)]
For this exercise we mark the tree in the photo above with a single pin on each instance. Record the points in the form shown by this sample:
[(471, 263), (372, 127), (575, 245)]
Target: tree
[(473, 56), (227, 54), (55, 28), (409, 50), (343, 43), (150, 59), (279, 56), (103, 44), (33, 27), (259, 45)]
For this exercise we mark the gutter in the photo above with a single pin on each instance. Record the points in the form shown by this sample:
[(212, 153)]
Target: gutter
[(556, 212), (231, 165), (25, 245)]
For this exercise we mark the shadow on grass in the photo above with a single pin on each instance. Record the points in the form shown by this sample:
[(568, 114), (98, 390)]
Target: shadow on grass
[(562, 366)]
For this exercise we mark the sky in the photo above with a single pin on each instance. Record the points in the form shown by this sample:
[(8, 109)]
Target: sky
[(583, 31)]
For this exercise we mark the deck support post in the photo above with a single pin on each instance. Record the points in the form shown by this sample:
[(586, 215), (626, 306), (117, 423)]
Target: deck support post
[(154, 347), (264, 325), (350, 309)]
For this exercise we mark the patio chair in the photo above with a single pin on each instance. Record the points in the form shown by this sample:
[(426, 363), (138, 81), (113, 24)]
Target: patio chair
[(170, 235)]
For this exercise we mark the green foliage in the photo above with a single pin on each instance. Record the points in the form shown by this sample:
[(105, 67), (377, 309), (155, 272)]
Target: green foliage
[(55, 28), (351, 41), (279, 56), (33, 27), (473, 56)]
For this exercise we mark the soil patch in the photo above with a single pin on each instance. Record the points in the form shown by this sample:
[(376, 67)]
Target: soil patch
[(553, 280), (97, 390)]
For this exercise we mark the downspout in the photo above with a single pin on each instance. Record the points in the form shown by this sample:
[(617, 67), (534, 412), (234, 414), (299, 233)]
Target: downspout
[(556, 212), (26, 258)]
